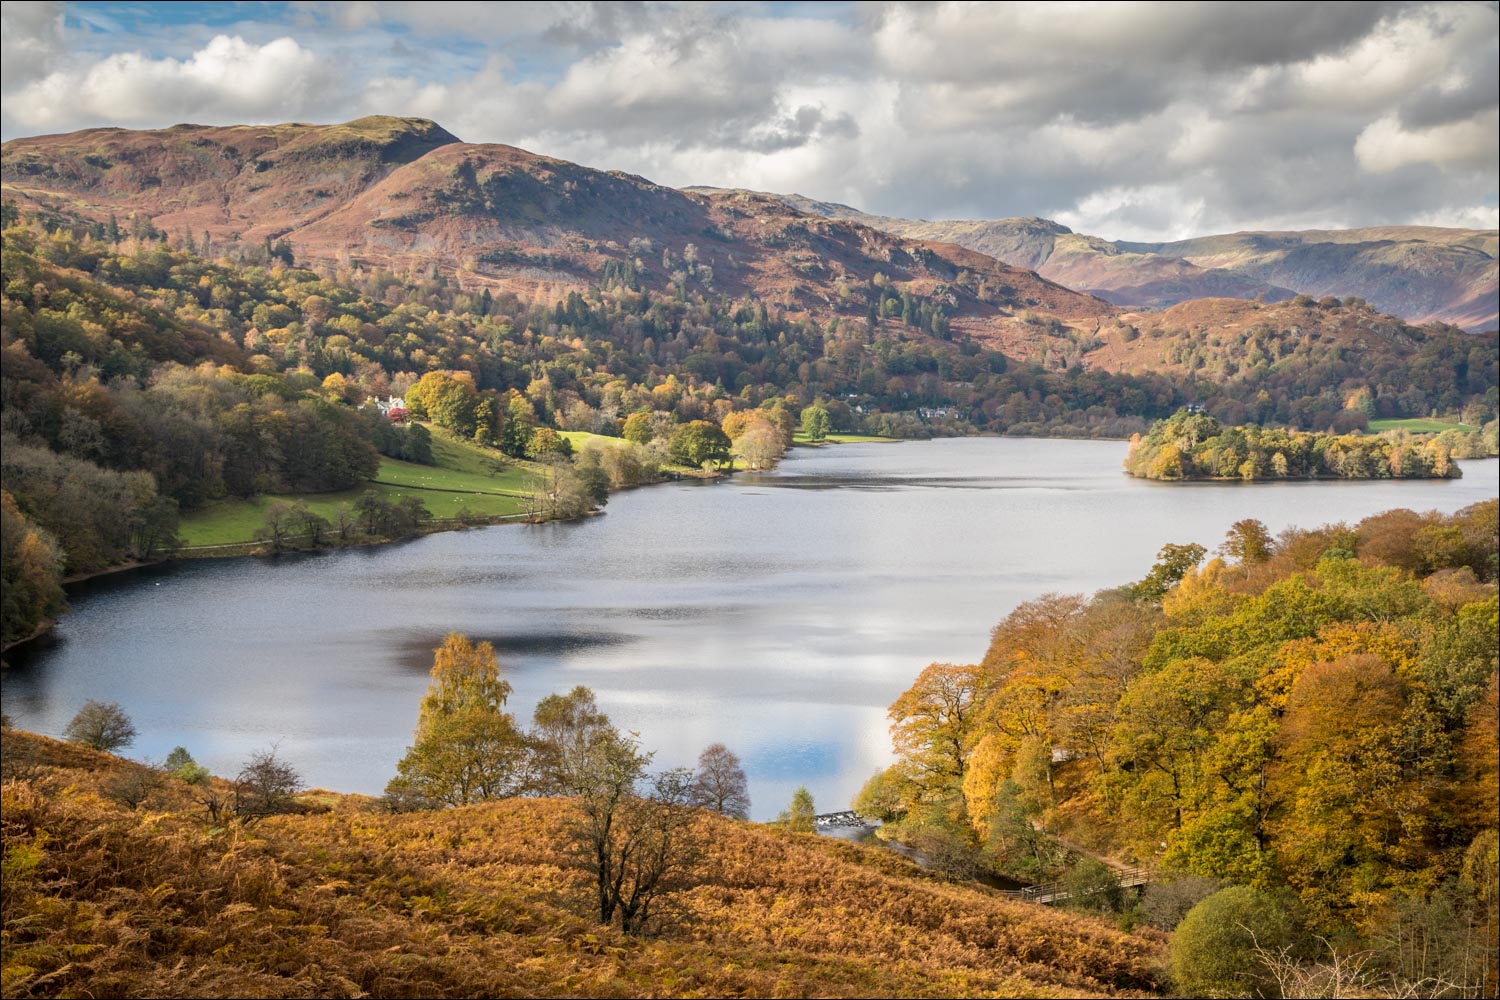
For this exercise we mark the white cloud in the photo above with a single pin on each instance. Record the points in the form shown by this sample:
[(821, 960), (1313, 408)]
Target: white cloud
[(227, 80), (31, 40), (1149, 119), (1385, 145)]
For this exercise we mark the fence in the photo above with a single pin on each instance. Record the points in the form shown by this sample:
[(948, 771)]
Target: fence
[(1056, 892)]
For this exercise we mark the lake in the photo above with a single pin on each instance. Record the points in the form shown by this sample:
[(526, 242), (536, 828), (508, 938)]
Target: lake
[(778, 613)]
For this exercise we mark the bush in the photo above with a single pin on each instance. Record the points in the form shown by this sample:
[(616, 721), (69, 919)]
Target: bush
[(1213, 951), (264, 787), (181, 765), (102, 726), (133, 785), (1164, 904), (1092, 885)]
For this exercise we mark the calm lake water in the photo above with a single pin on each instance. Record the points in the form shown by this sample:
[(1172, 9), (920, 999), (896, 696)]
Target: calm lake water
[(778, 613)]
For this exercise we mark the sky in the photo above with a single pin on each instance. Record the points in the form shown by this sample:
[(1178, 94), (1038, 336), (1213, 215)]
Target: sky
[(1142, 121)]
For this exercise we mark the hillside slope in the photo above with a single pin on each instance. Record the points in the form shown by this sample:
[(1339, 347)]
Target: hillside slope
[(481, 901), (1421, 273), (406, 195), (242, 182)]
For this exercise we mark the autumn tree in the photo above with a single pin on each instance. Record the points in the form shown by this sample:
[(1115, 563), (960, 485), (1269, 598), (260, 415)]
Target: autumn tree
[(1247, 543), (637, 428), (932, 727), (760, 445), (467, 748), (448, 400), (30, 573), (565, 730), (1347, 804), (1168, 721), (719, 783)]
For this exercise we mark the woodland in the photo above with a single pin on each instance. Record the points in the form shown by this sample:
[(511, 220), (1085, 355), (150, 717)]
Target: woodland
[(1307, 720)]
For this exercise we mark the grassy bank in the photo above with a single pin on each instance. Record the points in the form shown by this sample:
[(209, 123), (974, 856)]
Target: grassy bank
[(464, 479), (803, 439), (1419, 425)]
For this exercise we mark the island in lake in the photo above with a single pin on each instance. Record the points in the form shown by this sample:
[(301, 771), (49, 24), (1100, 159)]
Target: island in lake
[(1192, 445)]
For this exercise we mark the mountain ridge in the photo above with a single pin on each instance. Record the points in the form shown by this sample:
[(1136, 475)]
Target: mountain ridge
[(1421, 273), (406, 194)]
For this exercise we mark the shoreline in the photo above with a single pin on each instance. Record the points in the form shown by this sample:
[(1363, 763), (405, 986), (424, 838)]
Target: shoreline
[(252, 548)]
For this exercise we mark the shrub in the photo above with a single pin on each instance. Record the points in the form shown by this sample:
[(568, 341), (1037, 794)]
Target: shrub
[(1164, 904), (1092, 885), (181, 765), (1213, 951), (264, 787), (132, 786)]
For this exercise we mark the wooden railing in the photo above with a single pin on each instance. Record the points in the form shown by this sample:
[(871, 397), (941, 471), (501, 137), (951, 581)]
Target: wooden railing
[(1056, 892)]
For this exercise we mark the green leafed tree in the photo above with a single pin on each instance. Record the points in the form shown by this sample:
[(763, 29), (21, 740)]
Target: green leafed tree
[(1172, 564), (1214, 951), (816, 423), (698, 442), (802, 817)]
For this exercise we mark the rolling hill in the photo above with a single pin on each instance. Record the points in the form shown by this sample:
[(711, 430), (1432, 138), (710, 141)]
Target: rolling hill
[(406, 195), (1423, 274), (102, 897)]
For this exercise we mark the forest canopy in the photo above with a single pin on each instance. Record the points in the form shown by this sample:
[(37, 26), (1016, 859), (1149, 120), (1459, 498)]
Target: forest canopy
[(1310, 715)]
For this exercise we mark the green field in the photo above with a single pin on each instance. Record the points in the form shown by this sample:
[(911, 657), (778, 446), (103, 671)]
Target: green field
[(581, 438), (802, 438), (1419, 425), (466, 478)]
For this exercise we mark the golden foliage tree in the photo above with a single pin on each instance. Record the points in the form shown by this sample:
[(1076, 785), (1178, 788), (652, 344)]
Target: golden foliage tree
[(467, 747)]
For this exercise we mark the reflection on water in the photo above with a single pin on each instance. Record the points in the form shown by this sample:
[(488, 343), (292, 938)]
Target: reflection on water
[(779, 613)]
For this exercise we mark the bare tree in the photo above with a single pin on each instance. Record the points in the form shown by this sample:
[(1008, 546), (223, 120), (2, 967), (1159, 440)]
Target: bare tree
[(264, 787), (102, 726), (664, 854), (130, 786), (720, 783), (638, 848)]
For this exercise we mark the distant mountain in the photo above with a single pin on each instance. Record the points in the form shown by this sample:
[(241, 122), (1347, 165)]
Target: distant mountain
[(404, 194), (1421, 273), (242, 182)]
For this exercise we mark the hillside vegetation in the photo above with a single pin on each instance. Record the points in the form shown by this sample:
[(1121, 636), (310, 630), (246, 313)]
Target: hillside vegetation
[(1309, 719), (1423, 274), (485, 900), (227, 369)]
